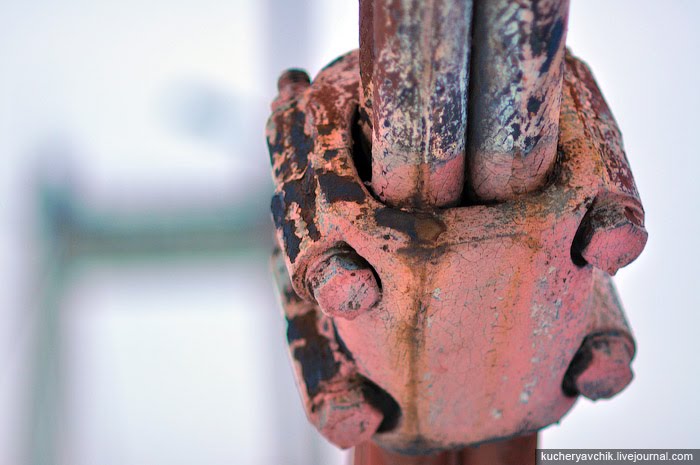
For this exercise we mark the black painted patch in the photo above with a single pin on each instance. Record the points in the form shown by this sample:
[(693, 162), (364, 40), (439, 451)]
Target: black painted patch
[(448, 122), (277, 208), (315, 356), (329, 155), (555, 36), (299, 140), (397, 219), (530, 143), (547, 34), (302, 191), (292, 242), (384, 402), (515, 127), (533, 104), (325, 129), (274, 144), (289, 133), (340, 188), (296, 75)]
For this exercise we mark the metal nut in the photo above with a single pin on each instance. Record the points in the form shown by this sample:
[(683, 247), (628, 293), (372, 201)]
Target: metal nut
[(611, 236), (344, 285), (290, 84), (347, 419), (601, 367)]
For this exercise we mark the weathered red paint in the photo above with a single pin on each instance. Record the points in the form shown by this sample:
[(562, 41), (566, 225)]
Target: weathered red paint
[(608, 371), (601, 367), (482, 308), (343, 285), (518, 65), (333, 394), (612, 233), (415, 70)]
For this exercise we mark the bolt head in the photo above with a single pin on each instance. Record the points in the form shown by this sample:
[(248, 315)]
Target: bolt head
[(346, 419), (614, 237), (344, 286), (608, 371)]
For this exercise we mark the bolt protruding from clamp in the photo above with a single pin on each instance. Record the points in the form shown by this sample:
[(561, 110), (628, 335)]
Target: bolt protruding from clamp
[(601, 367), (611, 236), (290, 84), (344, 285), (346, 419)]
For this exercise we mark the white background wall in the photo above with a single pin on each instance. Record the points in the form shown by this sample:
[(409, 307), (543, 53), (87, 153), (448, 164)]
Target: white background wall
[(171, 363)]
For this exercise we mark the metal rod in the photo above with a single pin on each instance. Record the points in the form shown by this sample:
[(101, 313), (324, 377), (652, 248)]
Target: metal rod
[(521, 450), (515, 93), (415, 71)]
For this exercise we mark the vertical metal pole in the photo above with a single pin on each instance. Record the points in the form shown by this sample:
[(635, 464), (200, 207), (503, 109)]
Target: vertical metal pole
[(515, 94), (415, 72), (45, 419), (521, 450)]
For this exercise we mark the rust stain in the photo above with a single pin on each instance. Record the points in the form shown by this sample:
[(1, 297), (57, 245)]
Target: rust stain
[(450, 372)]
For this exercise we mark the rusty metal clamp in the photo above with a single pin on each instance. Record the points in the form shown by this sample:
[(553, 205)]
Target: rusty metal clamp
[(427, 316)]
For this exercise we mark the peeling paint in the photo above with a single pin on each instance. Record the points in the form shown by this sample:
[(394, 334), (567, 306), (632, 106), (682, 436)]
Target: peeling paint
[(482, 307)]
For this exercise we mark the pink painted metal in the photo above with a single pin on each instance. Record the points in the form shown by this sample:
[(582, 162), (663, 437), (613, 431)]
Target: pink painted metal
[(608, 370), (415, 70), (482, 321), (343, 285), (612, 234), (601, 367), (334, 395), (341, 282), (515, 92)]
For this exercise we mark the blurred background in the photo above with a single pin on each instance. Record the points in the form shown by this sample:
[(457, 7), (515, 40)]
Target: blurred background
[(138, 321)]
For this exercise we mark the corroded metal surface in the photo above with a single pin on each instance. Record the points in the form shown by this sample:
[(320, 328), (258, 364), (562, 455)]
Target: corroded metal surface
[(459, 325), (343, 284), (612, 234), (518, 64), (415, 71), (601, 367), (334, 395)]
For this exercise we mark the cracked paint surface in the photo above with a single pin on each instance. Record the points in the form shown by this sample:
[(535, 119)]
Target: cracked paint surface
[(482, 308), (416, 73), (516, 95)]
